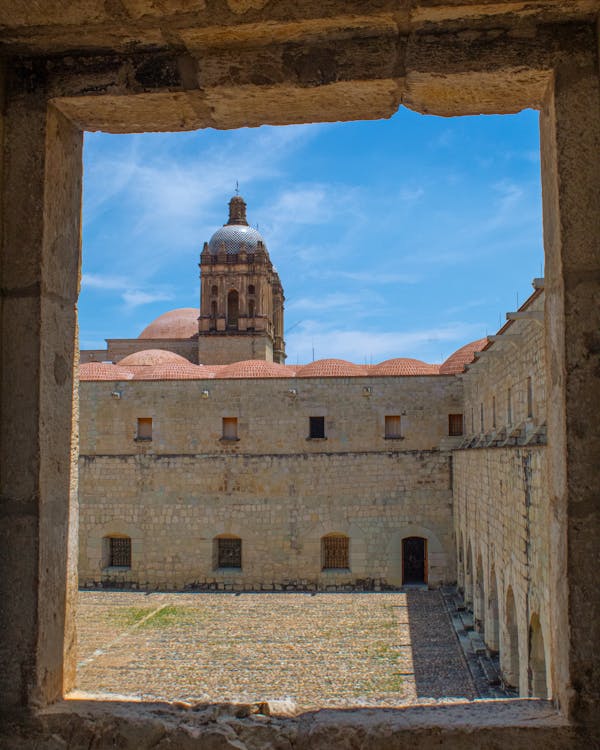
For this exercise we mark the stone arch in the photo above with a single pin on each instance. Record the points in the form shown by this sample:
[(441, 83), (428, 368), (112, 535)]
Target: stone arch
[(536, 672), (479, 597), (492, 619), (93, 554), (437, 558), (311, 545), (335, 551), (509, 650), (233, 308)]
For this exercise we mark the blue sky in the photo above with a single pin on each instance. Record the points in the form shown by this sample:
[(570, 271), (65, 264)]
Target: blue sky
[(401, 237)]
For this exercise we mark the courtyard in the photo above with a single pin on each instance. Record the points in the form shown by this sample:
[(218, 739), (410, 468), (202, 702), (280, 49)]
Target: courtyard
[(334, 650)]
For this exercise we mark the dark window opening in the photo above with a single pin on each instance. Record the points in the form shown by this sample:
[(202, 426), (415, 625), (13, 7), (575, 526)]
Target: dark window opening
[(316, 427), (455, 425), (251, 308), (251, 289), (335, 550), (232, 309), (229, 552), (214, 290)]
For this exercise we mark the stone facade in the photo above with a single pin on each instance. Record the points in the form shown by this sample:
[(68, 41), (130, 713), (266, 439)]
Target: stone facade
[(501, 512), (272, 486)]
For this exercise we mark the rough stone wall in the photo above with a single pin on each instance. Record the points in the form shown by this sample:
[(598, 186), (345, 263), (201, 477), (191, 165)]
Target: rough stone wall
[(501, 510), (273, 487), (119, 348)]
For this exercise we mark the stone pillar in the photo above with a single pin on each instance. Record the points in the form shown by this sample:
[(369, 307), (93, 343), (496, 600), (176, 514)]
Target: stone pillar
[(570, 136), (40, 205)]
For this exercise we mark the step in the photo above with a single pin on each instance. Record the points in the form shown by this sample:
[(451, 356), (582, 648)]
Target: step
[(489, 670), (478, 644), (467, 620)]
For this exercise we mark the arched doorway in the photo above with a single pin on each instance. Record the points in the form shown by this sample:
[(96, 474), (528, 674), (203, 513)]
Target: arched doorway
[(509, 653), (537, 660), (414, 560), (233, 308)]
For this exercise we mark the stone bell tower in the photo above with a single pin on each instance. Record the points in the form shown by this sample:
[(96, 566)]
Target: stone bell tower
[(241, 297)]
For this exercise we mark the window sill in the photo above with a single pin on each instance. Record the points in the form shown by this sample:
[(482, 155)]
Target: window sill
[(116, 569), (336, 570), (142, 440), (393, 437), (225, 571), (229, 440), (316, 438)]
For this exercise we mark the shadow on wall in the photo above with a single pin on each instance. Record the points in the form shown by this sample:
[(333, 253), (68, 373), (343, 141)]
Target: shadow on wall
[(438, 664)]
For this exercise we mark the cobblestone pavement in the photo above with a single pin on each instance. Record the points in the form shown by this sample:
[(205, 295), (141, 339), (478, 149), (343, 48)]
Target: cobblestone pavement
[(378, 649)]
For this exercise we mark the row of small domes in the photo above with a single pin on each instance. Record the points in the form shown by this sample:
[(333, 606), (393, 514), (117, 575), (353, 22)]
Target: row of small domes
[(161, 364)]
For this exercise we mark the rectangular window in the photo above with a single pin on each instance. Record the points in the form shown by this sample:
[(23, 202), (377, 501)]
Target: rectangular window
[(316, 427), (229, 553), (144, 428), (334, 551), (119, 552), (529, 397), (455, 425), (230, 428), (392, 427)]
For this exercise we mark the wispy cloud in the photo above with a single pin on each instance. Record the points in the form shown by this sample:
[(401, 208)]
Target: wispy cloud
[(356, 345), (131, 295)]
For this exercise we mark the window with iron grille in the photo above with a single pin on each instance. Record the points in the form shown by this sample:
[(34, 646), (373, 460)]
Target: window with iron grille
[(119, 552), (316, 427), (392, 427), (230, 428), (335, 551), (455, 424), (229, 552)]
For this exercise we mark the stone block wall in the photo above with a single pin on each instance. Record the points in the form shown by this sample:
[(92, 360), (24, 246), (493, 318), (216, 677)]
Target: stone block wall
[(273, 486), (223, 348)]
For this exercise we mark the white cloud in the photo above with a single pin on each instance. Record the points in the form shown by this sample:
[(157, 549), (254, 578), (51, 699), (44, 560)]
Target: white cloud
[(135, 298), (360, 346), (132, 295)]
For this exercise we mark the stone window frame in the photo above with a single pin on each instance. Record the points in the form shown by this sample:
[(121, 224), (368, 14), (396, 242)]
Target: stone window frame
[(316, 428), (108, 553), (328, 552), (218, 553), (554, 70), (144, 429), (392, 426), (230, 429)]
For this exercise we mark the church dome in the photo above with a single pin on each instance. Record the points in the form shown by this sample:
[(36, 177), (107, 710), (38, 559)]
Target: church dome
[(331, 368), (464, 356), (403, 366), (236, 233), (254, 368), (174, 324), (153, 357)]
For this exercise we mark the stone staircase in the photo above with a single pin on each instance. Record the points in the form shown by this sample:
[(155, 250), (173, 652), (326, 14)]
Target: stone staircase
[(483, 664)]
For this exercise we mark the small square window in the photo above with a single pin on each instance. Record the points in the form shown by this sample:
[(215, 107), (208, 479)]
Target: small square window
[(335, 552), (230, 428), (144, 428), (316, 427), (393, 427), (455, 425)]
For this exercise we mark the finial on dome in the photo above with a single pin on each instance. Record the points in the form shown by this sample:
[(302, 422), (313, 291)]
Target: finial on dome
[(237, 210)]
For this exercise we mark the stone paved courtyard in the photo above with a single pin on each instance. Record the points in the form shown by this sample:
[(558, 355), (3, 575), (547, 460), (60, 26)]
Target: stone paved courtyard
[(323, 650)]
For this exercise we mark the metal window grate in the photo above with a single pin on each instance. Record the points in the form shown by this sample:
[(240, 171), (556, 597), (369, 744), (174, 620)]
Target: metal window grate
[(229, 553), (120, 552), (335, 552)]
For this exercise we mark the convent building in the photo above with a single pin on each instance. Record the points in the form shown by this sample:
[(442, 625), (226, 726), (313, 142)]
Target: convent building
[(207, 463)]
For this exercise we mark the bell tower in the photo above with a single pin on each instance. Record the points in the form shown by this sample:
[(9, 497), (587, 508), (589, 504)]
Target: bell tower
[(241, 297)]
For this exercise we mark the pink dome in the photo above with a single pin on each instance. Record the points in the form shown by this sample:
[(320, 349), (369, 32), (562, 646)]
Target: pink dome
[(254, 368), (465, 355), (174, 324), (331, 368), (403, 366), (152, 357), (103, 371), (173, 371)]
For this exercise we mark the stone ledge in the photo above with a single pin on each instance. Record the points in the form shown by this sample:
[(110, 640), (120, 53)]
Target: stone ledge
[(83, 722)]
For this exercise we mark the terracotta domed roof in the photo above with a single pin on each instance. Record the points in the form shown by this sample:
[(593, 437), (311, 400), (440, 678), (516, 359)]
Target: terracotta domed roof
[(103, 371), (403, 366), (331, 368), (174, 324), (153, 357), (171, 371), (465, 355), (254, 368)]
